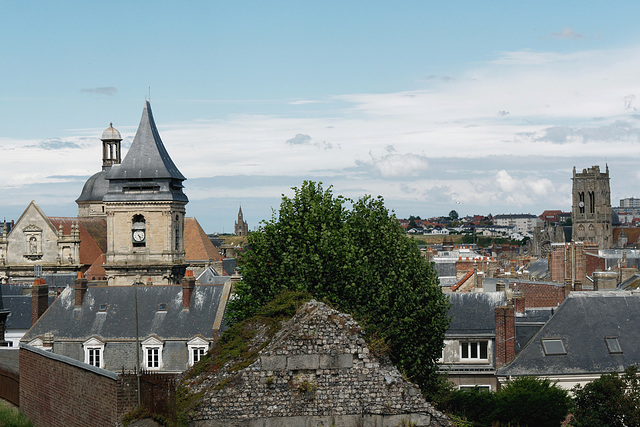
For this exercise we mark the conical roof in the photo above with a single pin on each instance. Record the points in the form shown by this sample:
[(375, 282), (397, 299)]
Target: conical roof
[(147, 158)]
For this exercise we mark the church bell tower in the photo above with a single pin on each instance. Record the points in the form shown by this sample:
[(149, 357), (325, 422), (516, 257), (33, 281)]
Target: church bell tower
[(591, 207), (145, 209)]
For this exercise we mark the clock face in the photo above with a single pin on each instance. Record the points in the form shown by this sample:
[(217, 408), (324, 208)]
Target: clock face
[(581, 204), (138, 235)]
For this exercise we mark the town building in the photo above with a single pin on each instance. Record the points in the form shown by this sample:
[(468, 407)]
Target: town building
[(591, 207), (524, 223)]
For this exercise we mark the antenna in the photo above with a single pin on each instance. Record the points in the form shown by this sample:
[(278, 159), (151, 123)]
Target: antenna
[(149, 93)]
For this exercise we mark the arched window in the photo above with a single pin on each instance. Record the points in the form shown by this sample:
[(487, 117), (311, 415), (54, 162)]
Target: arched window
[(139, 231)]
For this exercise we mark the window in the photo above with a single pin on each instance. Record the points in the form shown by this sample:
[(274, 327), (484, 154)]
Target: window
[(197, 348), (476, 350), (152, 353), (481, 387), (197, 353), (153, 357), (94, 356), (613, 345), (94, 352), (553, 347)]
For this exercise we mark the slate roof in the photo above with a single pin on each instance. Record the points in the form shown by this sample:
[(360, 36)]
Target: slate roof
[(473, 313), (582, 322), (117, 322), (210, 277), (95, 188), (16, 298), (539, 269), (147, 158)]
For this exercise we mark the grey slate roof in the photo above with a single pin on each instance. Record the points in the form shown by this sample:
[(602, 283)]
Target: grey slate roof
[(95, 188), (16, 298), (64, 321), (147, 166), (583, 321), (210, 277), (473, 313), (539, 269)]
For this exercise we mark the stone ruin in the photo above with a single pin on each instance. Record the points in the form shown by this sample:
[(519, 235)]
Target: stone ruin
[(316, 371)]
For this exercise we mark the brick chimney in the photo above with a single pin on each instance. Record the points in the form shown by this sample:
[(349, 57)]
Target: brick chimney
[(505, 334), (81, 288), (188, 286), (39, 299), (518, 300)]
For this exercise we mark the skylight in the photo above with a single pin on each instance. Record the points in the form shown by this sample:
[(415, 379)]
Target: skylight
[(613, 345), (553, 347)]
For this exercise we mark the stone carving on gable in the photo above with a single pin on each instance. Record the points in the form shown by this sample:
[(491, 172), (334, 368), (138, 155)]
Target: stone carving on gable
[(33, 239)]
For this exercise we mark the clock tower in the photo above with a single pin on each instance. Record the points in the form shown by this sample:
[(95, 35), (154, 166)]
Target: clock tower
[(145, 209), (591, 207)]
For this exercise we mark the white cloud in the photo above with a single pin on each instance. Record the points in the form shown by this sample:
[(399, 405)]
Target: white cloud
[(577, 109), (567, 33)]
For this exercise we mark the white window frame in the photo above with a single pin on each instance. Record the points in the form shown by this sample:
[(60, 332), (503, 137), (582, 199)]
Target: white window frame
[(91, 347), (149, 346), (197, 343), (478, 386), (470, 345)]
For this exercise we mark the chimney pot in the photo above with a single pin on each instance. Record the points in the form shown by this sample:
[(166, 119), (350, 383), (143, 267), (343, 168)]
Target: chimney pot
[(188, 286), (81, 289)]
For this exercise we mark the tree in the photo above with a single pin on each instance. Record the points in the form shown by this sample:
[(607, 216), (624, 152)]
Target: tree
[(528, 401), (612, 400), (412, 221), (361, 262), (453, 215)]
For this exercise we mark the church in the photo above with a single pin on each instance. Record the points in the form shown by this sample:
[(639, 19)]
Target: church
[(131, 223)]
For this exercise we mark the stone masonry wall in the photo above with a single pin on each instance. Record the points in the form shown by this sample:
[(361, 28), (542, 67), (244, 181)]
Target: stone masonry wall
[(317, 370)]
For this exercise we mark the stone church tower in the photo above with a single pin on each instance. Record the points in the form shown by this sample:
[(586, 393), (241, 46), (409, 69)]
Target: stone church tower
[(145, 209), (241, 228), (591, 207)]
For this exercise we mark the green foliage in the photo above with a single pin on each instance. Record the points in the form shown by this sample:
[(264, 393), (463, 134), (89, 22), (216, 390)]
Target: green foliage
[(612, 400), (476, 405), (453, 215), (359, 260), (525, 401), (140, 414), (533, 402), (11, 416)]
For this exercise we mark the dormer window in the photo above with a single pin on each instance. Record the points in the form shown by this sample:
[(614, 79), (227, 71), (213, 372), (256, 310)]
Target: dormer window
[(94, 352), (197, 348), (152, 353)]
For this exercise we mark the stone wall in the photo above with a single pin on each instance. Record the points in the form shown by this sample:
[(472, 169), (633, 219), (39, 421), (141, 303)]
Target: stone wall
[(317, 370)]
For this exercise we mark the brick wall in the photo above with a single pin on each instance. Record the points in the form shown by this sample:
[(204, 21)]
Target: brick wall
[(59, 391), (539, 294)]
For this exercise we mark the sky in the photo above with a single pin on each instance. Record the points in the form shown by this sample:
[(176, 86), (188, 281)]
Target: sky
[(479, 107)]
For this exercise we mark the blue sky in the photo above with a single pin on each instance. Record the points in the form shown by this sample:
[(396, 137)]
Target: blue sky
[(482, 107)]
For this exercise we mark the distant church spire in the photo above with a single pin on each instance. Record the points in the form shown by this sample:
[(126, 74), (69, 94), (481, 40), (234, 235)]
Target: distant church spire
[(241, 228)]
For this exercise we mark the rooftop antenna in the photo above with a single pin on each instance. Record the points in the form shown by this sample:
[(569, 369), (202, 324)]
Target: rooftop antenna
[(149, 93)]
